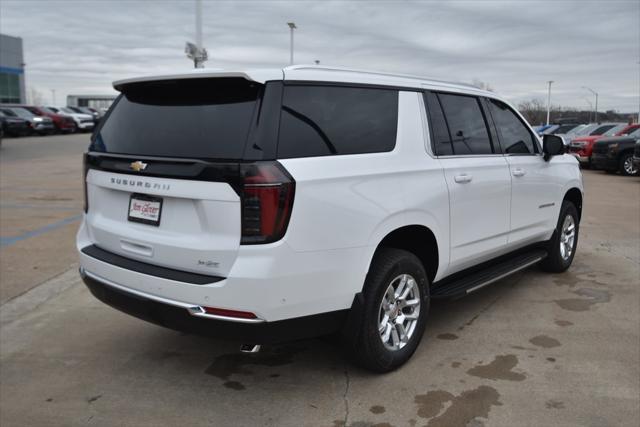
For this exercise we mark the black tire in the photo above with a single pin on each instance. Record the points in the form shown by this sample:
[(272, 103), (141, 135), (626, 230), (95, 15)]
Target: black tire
[(555, 262), (363, 341), (628, 157)]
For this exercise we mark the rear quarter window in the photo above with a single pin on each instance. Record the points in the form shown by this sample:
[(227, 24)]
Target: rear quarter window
[(334, 120)]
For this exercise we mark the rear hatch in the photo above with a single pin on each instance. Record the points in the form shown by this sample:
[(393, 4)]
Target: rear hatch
[(165, 170)]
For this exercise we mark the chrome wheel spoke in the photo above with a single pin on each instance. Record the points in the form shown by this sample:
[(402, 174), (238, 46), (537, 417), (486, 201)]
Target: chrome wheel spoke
[(399, 312)]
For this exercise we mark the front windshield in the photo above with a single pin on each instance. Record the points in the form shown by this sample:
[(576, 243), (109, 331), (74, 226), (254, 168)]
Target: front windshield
[(576, 130), (67, 110), (635, 132), (601, 130), (21, 112), (562, 129), (614, 130)]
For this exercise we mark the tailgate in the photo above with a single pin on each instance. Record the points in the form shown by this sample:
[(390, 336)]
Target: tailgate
[(197, 230)]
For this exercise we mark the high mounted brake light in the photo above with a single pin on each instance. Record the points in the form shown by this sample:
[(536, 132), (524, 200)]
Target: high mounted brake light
[(267, 199)]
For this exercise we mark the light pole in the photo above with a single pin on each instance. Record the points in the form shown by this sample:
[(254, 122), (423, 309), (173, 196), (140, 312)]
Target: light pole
[(596, 109), (590, 108), (53, 96), (292, 26), (195, 51), (549, 101)]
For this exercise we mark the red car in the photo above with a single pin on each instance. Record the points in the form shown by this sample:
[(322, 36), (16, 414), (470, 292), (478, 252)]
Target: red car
[(582, 146), (62, 123)]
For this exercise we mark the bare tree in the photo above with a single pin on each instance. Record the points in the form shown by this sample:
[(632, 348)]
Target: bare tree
[(533, 110)]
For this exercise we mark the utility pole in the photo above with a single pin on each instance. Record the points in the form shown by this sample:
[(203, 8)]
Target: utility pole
[(53, 97), (292, 26), (549, 101), (596, 94)]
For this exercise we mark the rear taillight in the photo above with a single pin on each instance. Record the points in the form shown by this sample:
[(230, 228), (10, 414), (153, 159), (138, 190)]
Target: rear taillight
[(267, 199), (85, 168)]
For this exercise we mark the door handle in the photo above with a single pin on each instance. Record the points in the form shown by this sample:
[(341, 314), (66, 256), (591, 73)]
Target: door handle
[(462, 178), (519, 172)]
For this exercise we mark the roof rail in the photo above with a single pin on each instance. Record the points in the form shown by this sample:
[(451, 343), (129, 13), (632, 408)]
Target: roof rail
[(376, 73)]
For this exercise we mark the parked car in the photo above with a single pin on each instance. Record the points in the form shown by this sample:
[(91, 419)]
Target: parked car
[(636, 155), (581, 147), (83, 121), (85, 110), (61, 122), (13, 125), (39, 125), (541, 129), (562, 129), (615, 154), (267, 206)]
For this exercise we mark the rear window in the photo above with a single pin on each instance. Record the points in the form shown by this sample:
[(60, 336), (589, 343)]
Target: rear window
[(191, 118), (330, 120)]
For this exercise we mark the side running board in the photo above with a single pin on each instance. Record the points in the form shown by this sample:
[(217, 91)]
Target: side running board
[(463, 283)]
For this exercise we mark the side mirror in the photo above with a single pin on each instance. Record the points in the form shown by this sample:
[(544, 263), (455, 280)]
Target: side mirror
[(552, 145)]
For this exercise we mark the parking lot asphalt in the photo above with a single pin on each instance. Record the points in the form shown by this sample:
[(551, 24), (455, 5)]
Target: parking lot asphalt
[(533, 349)]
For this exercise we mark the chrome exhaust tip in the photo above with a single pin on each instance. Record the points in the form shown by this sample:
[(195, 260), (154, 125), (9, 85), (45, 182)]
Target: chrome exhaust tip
[(250, 348)]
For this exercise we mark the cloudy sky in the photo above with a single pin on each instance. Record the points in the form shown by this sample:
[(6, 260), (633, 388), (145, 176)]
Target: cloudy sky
[(515, 46)]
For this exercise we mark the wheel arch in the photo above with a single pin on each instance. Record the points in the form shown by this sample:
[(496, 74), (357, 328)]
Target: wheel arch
[(574, 195), (417, 239)]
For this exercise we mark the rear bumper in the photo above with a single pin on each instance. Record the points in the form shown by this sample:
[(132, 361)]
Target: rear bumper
[(602, 161), (180, 316)]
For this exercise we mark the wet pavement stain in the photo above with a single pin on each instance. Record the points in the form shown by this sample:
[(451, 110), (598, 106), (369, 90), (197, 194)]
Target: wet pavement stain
[(554, 404), (571, 279), (563, 323), (447, 336), (455, 364), (462, 410), (226, 365), (551, 359), (593, 296), (377, 409), (432, 403), (545, 341), (499, 369)]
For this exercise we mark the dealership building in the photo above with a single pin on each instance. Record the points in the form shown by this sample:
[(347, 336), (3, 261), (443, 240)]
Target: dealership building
[(11, 70)]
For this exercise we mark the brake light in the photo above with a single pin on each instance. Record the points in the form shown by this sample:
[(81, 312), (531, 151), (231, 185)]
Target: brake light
[(85, 168), (267, 199)]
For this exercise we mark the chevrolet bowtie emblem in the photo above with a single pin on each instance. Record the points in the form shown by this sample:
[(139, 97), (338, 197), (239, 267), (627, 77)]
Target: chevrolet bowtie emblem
[(138, 166)]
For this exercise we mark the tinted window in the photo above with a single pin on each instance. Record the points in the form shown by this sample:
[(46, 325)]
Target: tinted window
[(329, 120), (514, 136), (467, 126), (439, 132), (195, 118)]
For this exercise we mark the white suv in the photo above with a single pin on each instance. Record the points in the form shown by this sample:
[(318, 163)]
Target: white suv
[(272, 205)]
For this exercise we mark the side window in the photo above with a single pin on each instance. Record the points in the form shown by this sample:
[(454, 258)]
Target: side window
[(331, 120), (437, 124), (515, 138), (467, 126)]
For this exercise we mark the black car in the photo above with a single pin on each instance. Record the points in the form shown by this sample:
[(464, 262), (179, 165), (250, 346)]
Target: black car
[(13, 125), (636, 156), (615, 154), (40, 125)]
